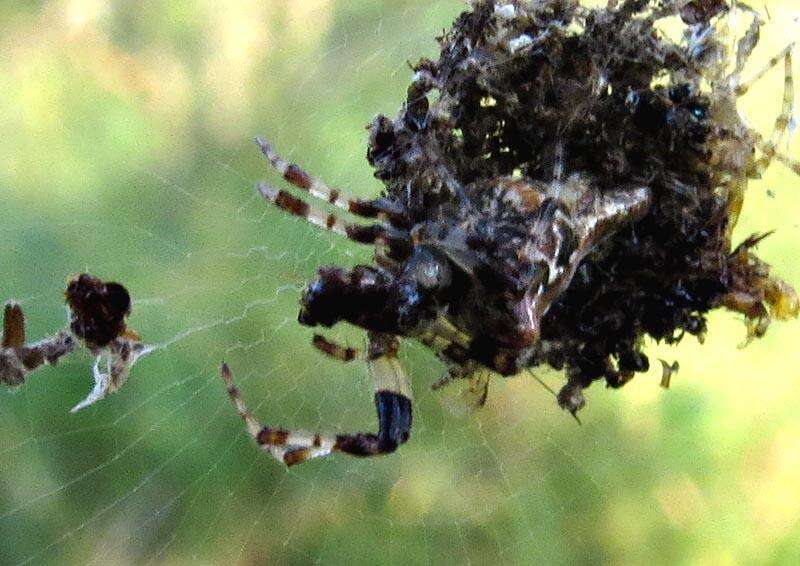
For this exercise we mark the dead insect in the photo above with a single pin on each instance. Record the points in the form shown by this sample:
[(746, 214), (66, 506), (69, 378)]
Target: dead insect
[(561, 183), (97, 313)]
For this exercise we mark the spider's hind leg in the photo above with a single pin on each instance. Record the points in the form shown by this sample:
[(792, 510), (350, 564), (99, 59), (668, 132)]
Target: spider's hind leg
[(392, 388), (392, 401)]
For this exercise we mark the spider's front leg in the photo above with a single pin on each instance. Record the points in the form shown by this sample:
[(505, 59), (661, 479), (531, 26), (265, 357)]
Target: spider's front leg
[(392, 401)]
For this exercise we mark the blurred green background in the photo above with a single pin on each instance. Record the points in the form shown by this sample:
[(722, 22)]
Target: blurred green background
[(125, 150)]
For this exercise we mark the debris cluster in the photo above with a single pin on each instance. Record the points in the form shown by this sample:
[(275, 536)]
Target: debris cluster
[(548, 100)]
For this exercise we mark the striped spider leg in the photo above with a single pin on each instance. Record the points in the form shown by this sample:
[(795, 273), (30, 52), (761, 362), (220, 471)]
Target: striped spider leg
[(448, 344), (769, 149), (389, 232), (745, 46), (334, 350), (734, 89), (364, 234), (392, 401), (380, 208), (754, 286), (392, 386)]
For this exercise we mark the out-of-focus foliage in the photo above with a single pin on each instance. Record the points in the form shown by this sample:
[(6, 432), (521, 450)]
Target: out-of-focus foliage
[(125, 150)]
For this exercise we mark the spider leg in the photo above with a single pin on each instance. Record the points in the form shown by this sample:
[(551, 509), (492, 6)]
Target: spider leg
[(770, 148), (745, 46), (292, 173), (334, 350), (792, 164), (392, 401), (451, 346), (392, 388), (741, 89), (372, 234)]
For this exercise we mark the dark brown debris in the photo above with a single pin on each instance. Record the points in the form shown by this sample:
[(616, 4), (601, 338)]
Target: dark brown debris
[(98, 309), (97, 321)]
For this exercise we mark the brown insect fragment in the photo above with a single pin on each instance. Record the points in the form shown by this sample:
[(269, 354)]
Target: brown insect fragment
[(755, 292), (667, 370), (97, 320), (13, 326), (701, 11), (98, 309)]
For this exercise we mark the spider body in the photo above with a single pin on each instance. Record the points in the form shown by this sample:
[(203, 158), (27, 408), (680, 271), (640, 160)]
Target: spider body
[(569, 190)]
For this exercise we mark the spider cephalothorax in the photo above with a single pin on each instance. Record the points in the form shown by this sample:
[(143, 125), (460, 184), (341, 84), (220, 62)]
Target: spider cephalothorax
[(561, 183)]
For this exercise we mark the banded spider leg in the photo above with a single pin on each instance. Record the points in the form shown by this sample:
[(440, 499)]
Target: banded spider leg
[(388, 231), (380, 208), (385, 233), (334, 350), (370, 234), (769, 149), (392, 401)]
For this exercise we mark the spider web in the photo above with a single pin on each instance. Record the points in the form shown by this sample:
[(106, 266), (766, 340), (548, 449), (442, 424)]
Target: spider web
[(127, 154)]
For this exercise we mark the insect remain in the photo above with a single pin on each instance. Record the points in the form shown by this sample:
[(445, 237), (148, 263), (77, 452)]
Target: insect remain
[(98, 314), (570, 189)]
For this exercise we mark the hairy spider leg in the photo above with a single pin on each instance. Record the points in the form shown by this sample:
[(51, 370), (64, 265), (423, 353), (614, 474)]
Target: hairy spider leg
[(392, 401), (769, 149), (441, 337), (372, 234), (444, 342), (296, 176)]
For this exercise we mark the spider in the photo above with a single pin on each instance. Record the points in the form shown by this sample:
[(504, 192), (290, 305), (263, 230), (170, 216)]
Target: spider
[(571, 190)]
